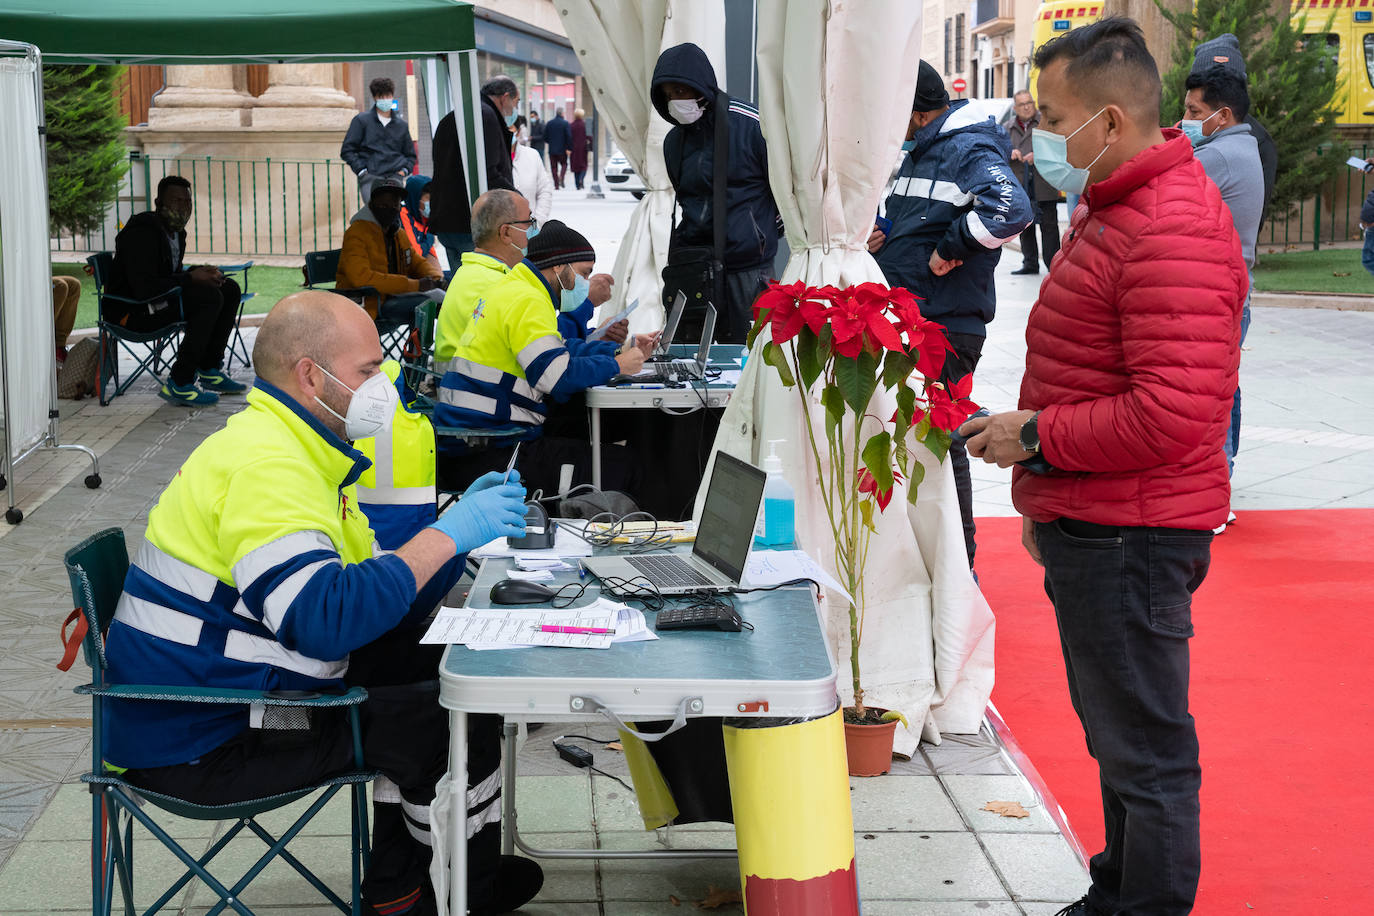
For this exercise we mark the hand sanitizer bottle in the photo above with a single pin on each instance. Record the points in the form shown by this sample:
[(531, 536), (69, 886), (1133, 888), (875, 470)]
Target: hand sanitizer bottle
[(777, 528)]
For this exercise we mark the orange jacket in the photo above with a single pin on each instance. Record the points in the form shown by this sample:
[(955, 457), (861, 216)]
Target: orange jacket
[(362, 261)]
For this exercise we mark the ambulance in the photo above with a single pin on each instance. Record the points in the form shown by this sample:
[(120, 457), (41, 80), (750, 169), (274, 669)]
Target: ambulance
[(1348, 29)]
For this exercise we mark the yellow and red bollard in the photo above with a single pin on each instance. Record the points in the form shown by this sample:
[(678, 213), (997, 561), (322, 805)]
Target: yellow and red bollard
[(789, 785)]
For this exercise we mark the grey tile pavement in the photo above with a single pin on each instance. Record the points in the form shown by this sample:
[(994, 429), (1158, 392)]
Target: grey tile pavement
[(923, 844)]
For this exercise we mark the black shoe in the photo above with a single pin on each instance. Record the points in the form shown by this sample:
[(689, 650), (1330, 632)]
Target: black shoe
[(1025, 271), (1077, 908), (517, 882)]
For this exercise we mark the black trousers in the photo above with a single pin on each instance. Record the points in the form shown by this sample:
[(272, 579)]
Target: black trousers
[(405, 736), (210, 313), (968, 348), (1123, 601), (1047, 219)]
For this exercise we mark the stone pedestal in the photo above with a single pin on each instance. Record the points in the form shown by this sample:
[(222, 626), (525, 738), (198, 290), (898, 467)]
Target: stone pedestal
[(303, 97), (202, 98)]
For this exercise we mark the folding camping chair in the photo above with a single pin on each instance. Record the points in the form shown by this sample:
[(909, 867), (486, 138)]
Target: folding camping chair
[(114, 336), (320, 270), (238, 348), (96, 568)]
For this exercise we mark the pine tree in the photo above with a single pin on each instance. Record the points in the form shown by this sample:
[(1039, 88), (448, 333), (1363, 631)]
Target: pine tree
[(86, 153), (1293, 82)]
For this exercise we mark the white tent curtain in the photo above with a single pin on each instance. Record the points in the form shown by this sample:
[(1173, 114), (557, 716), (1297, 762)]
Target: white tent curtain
[(618, 44), (26, 294), (835, 88)]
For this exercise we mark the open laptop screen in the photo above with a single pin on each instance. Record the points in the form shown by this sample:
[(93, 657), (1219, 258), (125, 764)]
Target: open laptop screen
[(727, 518), (670, 329)]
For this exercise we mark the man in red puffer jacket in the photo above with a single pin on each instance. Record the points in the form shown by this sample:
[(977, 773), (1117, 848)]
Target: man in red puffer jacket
[(1132, 354)]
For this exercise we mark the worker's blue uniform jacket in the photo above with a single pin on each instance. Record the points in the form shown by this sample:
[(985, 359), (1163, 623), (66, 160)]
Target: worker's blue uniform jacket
[(573, 328), (511, 357), (955, 195), (258, 572)]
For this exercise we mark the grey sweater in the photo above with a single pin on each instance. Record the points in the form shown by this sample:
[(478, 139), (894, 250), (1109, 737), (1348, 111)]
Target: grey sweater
[(1231, 159)]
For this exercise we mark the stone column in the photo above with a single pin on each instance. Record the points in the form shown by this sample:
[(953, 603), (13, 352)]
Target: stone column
[(303, 97), (201, 98)]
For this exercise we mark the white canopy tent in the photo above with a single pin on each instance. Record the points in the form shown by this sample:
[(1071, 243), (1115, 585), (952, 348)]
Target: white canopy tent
[(618, 45), (28, 373), (835, 89)]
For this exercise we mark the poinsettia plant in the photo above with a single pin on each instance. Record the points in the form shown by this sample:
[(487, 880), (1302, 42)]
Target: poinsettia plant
[(853, 342)]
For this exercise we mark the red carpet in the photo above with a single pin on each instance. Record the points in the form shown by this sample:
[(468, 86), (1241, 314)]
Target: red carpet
[(1281, 690)]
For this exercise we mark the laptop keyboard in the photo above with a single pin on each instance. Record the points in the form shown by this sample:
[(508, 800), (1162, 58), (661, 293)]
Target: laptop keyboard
[(672, 571), (677, 368)]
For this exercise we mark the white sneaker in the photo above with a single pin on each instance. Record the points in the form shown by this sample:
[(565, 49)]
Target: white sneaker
[(1230, 520)]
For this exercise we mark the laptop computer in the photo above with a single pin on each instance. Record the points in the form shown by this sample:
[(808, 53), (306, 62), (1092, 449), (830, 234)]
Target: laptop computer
[(665, 340), (721, 549), (674, 370)]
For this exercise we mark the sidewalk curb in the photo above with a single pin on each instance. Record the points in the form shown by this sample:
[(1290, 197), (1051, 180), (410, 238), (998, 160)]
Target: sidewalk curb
[(1299, 300)]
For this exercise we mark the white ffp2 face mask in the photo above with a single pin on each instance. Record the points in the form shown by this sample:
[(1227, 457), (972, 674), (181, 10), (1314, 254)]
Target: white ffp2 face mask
[(685, 111), (370, 409)]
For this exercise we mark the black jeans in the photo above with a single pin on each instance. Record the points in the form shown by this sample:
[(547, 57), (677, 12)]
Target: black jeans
[(968, 348), (1123, 600), (1047, 218), (210, 314)]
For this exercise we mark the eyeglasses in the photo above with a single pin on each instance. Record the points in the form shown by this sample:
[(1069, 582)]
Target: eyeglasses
[(527, 223)]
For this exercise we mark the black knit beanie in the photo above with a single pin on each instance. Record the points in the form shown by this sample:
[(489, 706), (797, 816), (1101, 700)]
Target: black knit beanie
[(557, 244), (930, 90)]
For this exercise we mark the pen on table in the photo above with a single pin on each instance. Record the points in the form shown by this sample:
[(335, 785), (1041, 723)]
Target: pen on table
[(581, 570), (592, 631)]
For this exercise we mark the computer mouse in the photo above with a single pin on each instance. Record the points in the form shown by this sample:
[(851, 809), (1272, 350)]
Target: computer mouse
[(520, 591)]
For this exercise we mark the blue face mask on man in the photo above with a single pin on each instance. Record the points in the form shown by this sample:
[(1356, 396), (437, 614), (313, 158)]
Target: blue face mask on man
[(1192, 128), (385, 106), (510, 119), (1052, 158), (571, 299)]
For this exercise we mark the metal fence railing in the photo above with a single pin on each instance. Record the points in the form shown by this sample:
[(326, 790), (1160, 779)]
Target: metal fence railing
[(1332, 216), (251, 207)]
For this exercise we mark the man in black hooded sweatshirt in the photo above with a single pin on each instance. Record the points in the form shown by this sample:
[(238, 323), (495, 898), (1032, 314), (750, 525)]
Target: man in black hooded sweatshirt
[(685, 93)]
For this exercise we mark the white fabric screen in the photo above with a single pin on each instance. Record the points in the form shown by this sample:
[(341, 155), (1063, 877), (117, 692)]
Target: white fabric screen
[(26, 294), (835, 89), (618, 45)]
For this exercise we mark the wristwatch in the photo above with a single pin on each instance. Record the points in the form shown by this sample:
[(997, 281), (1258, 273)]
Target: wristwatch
[(1030, 434)]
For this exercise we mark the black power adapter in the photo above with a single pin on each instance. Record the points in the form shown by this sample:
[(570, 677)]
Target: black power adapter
[(577, 756)]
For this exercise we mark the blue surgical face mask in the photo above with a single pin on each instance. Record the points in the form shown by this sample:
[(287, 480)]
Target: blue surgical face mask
[(424, 209), (530, 232), (385, 106), (1052, 159), (908, 145), (571, 299), (510, 119), (1192, 128)]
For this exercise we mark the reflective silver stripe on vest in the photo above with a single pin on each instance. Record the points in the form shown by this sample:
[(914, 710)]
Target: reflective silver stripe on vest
[(553, 372), (158, 620), (178, 574), (486, 406), (278, 601), (274, 553), (245, 647), (397, 496), (383, 464), (482, 373)]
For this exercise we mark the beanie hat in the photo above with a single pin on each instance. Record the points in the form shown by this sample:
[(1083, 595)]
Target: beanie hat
[(557, 244), (930, 90), (1222, 51)]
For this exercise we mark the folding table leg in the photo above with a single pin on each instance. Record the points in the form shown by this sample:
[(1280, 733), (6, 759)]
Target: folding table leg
[(793, 824), (457, 820)]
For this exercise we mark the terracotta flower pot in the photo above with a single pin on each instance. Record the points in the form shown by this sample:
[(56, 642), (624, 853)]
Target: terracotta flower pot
[(869, 745)]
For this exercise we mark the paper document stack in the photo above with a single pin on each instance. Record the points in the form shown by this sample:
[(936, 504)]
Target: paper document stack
[(517, 628)]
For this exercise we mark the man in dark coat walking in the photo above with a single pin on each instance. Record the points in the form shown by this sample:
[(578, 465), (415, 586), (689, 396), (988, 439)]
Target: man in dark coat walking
[(558, 134), (1043, 195)]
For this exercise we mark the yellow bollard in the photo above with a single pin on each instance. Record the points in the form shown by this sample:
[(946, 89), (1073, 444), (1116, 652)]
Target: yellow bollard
[(790, 788)]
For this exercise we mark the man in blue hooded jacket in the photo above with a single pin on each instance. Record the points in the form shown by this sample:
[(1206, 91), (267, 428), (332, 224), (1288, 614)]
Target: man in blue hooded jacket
[(955, 203), (685, 93)]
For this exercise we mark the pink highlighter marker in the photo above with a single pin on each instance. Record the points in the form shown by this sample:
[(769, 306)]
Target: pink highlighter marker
[(592, 631)]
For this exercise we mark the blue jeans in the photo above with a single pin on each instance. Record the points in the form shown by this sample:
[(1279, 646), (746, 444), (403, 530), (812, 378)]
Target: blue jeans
[(1231, 445), (1367, 256), (1123, 600)]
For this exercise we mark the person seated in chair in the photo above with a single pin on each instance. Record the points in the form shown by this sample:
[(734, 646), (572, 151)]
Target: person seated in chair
[(148, 261), (512, 368), (503, 230), (377, 253), (259, 572)]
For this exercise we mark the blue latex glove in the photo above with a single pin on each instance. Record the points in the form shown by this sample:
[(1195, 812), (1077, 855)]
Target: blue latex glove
[(491, 479), (483, 516)]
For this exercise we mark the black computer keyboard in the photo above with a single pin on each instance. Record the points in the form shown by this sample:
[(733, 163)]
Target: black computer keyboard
[(669, 571), (716, 618)]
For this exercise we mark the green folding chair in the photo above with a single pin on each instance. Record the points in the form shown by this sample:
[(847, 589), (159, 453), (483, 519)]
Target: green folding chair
[(238, 347), (96, 568), (152, 351), (320, 269)]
